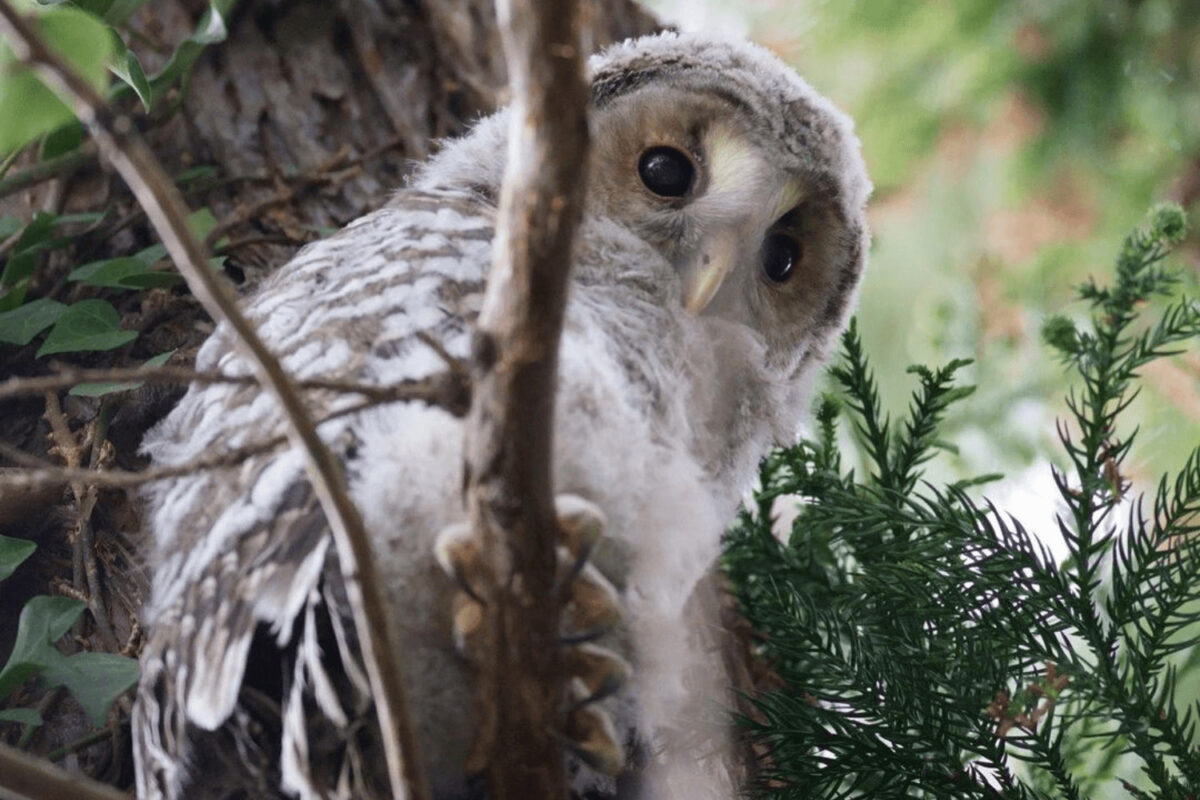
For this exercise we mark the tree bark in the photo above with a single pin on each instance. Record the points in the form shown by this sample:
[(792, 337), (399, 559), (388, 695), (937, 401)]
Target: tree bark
[(515, 361)]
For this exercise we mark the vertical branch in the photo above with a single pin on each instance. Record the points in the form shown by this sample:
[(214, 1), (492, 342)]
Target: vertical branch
[(508, 472), (120, 144)]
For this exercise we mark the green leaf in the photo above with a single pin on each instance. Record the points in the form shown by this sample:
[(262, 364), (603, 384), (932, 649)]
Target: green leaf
[(120, 10), (151, 254), (96, 8), (61, 141), (128, 272), (126, 66), (97, 389), (9, 226), (43, 621), (209, 30), (12, 553), (25, 716), (201, 172), (201, 222), (94, 679), (20, 325), (14, 281), (87, 325), (27, 108), (87, 217), (34, 238)]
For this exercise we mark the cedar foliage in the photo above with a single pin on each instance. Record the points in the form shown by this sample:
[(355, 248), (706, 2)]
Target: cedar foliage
[(928, 641)]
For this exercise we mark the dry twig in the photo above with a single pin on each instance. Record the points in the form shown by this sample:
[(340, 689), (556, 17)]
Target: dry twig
[(25, 776), (121, 146), (509, 488), (450, 391)]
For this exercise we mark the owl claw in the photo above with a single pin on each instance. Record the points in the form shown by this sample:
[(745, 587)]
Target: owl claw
[(590, 608), (596, 673), (591, 736), (457, 553)]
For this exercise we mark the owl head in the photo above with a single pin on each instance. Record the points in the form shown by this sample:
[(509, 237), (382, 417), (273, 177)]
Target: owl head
[(748, 183)]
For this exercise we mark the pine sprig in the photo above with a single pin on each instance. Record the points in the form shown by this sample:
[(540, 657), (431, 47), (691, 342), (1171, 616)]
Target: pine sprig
[(928, 641)]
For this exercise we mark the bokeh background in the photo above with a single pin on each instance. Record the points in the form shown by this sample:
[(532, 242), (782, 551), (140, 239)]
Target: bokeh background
[(1013, 144)]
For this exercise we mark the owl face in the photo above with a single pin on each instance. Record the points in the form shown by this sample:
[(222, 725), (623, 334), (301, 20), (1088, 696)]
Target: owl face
[(718, 155), (745, 180)]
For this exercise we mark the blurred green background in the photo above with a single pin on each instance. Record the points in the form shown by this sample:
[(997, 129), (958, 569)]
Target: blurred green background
[(1012, 146)]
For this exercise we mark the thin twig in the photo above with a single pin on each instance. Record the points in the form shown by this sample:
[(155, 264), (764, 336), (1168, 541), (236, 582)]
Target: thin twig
[(121, 146), (40, 472), (249, 241), (44, 705), (81, 743), (87, 542), (445, 390), (25, 776), (515, 354), (47, 170)]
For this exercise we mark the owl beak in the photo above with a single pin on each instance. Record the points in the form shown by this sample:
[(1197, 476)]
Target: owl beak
[(704, 276)]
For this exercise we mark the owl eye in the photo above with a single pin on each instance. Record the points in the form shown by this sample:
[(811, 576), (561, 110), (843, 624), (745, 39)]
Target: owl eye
[(666, 171), (780, 254)]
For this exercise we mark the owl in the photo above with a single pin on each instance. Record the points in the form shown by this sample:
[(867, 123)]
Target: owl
[(721, 246)]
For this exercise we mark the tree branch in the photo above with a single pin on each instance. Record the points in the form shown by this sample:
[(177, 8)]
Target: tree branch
[(449, 390), (26, 776), (48, 170), (509, 487), (119, 143)]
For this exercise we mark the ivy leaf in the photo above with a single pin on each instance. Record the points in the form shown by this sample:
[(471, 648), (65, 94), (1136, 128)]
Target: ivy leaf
[(25, 716), (126, 66), (27, 108), (20, 325), (211, 29), (128, 272), (201, 222), (87, 325), (12, 553), (9, 226), (94, 679), (114, 12), (43, 621), (97, 389), (61, 141), (14, 280), (202, 172)]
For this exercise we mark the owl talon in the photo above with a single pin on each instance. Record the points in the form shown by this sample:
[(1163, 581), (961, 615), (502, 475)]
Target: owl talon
[(592, 738), (457, 553), (590, 609), (596, 673)]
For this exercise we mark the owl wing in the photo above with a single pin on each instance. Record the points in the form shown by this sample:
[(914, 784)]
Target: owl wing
[(244, 571)]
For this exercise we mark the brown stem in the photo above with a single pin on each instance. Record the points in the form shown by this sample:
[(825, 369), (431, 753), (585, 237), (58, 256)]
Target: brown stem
[(47, 170), (449, 391), (124, 149), (451, 388), (509, 482), (25, 777)]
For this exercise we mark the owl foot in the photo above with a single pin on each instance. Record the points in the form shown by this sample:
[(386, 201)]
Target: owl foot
[(590, 608)]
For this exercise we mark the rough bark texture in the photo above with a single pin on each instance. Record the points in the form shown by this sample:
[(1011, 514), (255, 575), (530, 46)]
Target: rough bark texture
[(309, 114)]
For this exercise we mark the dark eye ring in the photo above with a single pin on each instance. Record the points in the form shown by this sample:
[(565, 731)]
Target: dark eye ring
[(666, 171), (781, 253)]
